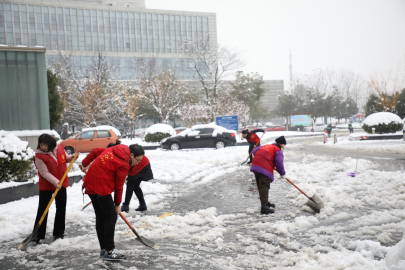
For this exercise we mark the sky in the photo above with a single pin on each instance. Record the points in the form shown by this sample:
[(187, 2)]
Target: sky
[(363, 36)]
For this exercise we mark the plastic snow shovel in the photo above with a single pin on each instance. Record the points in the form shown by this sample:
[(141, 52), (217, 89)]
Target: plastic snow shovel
[(143, 240), (313, 202), (34, 233)]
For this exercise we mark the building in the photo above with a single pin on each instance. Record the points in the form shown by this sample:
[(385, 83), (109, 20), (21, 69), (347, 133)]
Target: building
[(272, 90), (124, 32), (23, 89)]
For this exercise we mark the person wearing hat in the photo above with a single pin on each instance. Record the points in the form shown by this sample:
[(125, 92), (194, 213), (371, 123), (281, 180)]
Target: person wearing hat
[(266, 159), (138, 173), (253, 140)]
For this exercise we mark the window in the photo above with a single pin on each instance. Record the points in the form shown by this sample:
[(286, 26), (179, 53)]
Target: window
[(205, 131), (87, 134), (103, 134)]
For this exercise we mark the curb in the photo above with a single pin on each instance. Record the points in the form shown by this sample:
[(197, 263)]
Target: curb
[(26, 190)]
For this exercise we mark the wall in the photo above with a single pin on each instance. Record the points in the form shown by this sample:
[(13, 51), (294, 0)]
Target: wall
[(23, 89)]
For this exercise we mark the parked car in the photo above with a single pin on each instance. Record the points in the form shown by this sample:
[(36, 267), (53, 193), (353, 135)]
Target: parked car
[(179, 129), (200, 137), (91, 138)]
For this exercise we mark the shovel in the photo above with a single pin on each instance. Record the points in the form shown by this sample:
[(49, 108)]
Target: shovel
[(313, 202)]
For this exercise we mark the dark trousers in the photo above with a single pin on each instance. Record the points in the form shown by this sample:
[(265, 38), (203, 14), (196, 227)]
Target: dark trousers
[(251, 147), (263, 185), (59, 224), (106, 217), (134, 185)]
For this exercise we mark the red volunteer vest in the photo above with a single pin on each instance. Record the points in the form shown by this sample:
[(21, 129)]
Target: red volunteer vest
[(56, 167)]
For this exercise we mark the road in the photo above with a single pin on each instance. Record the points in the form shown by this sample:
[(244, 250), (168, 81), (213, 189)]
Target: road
[(217, 225)]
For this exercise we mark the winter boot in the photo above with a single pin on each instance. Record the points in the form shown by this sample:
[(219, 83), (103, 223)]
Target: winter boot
[(269, 204), (112, 255), (266, 210), (141, 208), (125, 208)]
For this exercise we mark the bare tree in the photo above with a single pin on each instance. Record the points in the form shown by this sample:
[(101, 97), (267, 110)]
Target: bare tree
[(388, 102), (212, 66)]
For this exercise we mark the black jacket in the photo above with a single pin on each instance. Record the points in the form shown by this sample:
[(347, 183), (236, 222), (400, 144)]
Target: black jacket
[(144, 175)]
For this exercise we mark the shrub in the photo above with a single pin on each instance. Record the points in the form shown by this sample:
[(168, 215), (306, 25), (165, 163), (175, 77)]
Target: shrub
[(156, 137), (383, 128), (15, 159)]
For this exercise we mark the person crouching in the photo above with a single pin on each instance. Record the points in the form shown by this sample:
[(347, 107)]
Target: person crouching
[(142, 171)]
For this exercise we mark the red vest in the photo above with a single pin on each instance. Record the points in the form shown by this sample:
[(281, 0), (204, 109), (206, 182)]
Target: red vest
[(264, 159), (56, 167), (139, 167), (253, 138)]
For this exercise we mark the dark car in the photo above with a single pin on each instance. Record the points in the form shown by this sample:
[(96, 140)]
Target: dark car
[(199, 138)]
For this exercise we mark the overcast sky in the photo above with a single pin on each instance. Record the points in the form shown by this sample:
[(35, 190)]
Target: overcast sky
[(363, 36)]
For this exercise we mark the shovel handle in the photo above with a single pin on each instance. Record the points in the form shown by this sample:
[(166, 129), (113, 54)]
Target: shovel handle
[(124, 218), (300, 190)]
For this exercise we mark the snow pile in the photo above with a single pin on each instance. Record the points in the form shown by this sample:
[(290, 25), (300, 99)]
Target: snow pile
[(104, 127), (162, 128), (382, 118), (12, 145)]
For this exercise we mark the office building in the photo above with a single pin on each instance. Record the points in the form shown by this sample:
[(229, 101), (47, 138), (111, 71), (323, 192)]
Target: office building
[(124, 32)]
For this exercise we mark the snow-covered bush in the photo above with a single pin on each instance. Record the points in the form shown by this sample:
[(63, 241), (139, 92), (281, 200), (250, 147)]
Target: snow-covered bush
[(382, 122), (157, 132), (15, 158)]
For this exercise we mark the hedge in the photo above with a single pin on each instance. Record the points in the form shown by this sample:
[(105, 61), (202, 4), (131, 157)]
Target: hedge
[(156, 137), (383, 128)]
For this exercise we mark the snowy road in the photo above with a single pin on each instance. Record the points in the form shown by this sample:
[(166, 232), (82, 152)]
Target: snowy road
[(215, 222)]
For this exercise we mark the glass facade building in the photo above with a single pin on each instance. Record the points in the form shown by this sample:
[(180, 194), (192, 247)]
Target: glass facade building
[(124, 36)]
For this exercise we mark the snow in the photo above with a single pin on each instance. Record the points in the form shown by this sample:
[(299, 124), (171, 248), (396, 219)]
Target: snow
[(163, 128), (375, 146), (104, 127), (269, 137), (12, 144), (139, 141), (217, 129), (395, 259), (340, 238), (382, 118), (30, 133)]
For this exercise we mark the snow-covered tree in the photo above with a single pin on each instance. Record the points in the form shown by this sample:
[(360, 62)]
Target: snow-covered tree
[(92, 98), (225, 104), (164, 93)]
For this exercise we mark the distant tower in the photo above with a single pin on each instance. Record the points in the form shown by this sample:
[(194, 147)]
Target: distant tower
[(291, 73)]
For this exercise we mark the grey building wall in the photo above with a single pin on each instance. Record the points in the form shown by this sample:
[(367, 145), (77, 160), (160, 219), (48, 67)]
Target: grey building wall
[(23, 89), (272, 90), (123, 31)]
